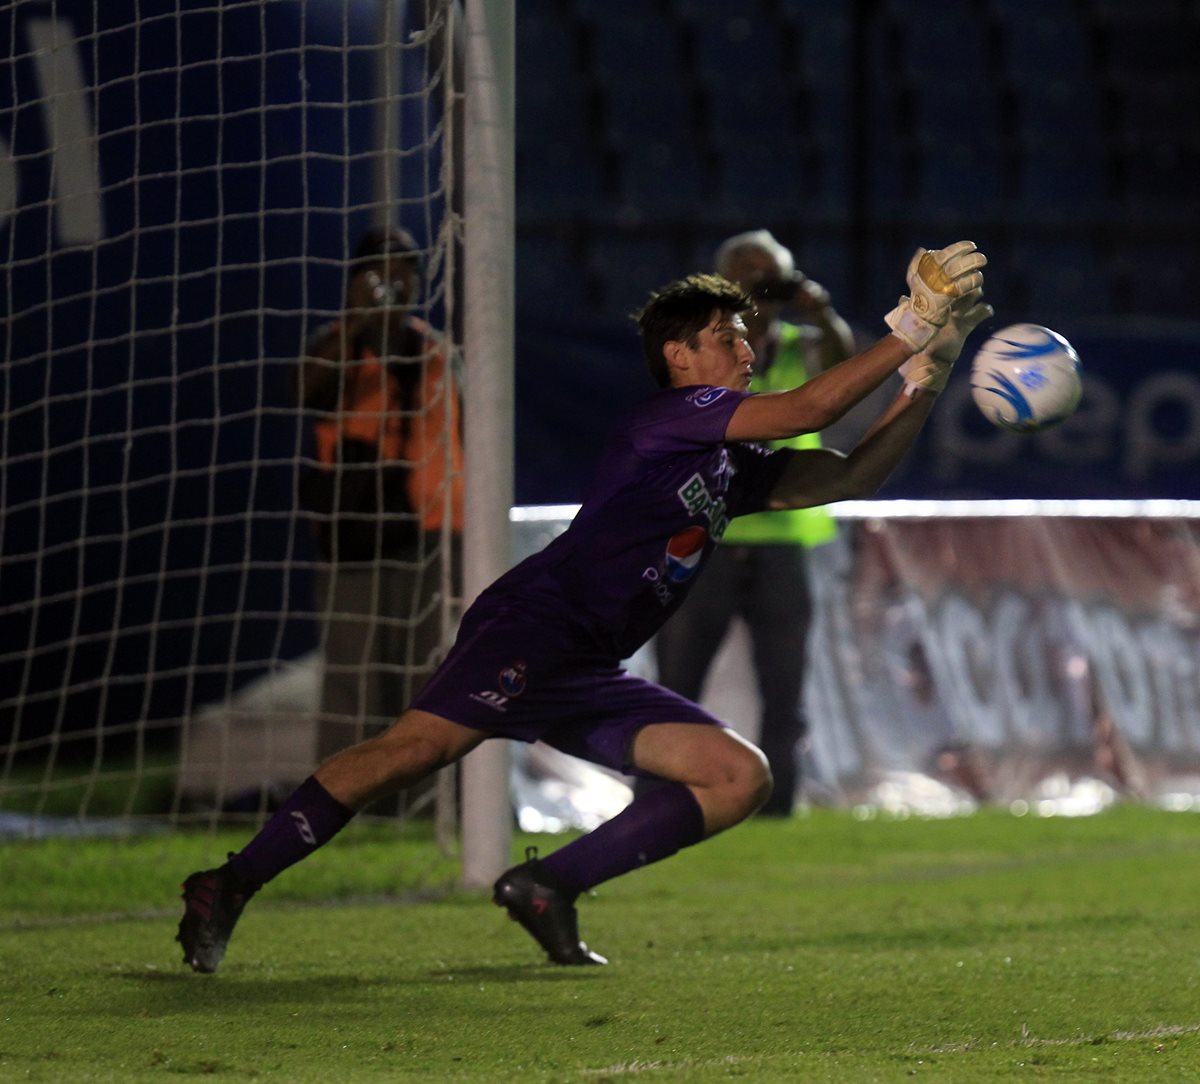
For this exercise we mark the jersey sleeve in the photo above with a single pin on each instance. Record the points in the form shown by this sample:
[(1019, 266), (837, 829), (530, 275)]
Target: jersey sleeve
[(756, 471), (683, 419)]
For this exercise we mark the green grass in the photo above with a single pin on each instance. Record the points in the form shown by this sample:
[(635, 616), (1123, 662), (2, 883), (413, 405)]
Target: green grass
[(822, 949)]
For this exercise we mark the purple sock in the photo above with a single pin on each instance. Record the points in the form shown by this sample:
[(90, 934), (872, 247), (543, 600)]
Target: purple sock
[(650, 828), (309, 818)]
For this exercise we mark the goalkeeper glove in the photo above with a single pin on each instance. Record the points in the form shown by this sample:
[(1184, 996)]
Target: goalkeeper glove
[(935, 279), (930, 369)]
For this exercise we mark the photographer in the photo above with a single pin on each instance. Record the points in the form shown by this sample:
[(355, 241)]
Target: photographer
[(382, 396), (759, 572)]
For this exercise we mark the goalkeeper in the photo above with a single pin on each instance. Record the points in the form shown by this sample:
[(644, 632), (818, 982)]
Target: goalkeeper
[(538, 654)]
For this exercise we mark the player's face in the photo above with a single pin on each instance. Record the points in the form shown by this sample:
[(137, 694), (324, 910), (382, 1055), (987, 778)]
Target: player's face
[(722, 356)]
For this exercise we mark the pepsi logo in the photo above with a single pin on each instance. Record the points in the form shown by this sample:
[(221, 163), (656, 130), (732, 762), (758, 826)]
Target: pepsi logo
[(684, 551)]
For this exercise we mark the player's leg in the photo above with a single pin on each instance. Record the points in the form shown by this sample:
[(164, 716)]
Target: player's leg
[(712, 779), (778, 610), (727, 776), (417, 744)]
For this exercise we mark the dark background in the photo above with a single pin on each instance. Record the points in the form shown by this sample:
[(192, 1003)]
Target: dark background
[(152, 559)]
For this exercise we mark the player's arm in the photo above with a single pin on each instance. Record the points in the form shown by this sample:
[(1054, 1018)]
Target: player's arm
[(938, 280), (821, 476), (816, 476), (822, 400)]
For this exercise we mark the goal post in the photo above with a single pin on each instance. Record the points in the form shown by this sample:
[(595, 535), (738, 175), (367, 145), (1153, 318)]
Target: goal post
[(489, 230)]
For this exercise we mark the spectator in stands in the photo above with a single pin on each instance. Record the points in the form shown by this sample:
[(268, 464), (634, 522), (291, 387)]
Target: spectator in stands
[(759, 572), (382, 395), (538, 654)]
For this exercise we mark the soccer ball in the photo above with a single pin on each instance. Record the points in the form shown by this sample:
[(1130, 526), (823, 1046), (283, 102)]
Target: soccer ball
[(1026, 378)]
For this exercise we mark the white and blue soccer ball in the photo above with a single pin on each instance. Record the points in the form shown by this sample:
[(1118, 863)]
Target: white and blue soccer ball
[(1026, 378)]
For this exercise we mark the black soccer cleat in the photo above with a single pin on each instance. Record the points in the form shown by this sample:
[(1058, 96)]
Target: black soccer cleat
[(548, 914), (213, 902)]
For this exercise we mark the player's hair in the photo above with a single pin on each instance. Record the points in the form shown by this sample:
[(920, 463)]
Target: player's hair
[(759, 241), (680, 311)]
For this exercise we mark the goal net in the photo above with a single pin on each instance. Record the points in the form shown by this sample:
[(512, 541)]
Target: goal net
[(183, 193)]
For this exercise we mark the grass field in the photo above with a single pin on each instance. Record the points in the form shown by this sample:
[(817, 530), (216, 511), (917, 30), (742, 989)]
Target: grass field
[(820, 949)]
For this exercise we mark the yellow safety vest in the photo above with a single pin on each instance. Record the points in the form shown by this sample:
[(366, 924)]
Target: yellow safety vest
[(797, 526)]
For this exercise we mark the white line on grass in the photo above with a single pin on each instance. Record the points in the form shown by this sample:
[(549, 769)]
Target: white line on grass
[(1163, 1031)]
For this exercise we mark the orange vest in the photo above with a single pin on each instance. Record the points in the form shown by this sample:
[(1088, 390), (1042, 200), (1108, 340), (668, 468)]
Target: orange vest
[(422, 435)]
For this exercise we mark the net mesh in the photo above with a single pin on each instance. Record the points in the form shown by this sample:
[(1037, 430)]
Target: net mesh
[(183, 191)]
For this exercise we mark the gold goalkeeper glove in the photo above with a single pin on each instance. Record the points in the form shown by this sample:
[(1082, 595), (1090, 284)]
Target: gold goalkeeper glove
[(935, 278)]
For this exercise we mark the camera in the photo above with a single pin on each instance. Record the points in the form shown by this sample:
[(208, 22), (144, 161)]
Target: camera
[(777, 289), (384, 293)]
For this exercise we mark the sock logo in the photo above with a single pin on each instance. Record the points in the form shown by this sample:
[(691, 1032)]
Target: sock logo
[(304, 828)]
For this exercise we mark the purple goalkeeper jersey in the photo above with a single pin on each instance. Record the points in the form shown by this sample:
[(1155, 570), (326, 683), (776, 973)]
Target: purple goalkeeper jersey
[(665, 489)]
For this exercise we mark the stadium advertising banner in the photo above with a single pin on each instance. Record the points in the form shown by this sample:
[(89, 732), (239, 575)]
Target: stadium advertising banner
[(1019, 659)]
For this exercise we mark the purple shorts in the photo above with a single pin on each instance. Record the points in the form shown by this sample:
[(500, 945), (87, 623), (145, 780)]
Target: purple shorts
[(524, 678)]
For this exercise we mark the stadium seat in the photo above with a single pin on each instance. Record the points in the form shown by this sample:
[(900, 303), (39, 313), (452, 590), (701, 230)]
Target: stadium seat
[(1044, 41), (635, 44), (1057, 107), (549, 111), (957, 181), (780, 180), (626, 267), (959, 39), (824, 105), (729, 43), (550, 277), (1156, 277), (662, 179), (646, 107), (823, 45), (562, 180), (1157, 183), (1107, 11), (755, 106), (1148, 105), (694, 10), (547, 46), (1058, 181), (1148, 45), (1063, 278), (801, 11)]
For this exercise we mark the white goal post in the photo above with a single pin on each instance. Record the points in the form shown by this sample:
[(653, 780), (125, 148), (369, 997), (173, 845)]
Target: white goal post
[(489, 230)]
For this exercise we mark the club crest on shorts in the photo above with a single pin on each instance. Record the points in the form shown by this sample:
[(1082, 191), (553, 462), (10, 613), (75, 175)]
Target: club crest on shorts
[(512, 679), (684, 551)]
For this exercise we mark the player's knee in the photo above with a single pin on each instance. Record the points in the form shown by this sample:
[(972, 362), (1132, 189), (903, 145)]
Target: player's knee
[(761, 784), (751, 781)]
